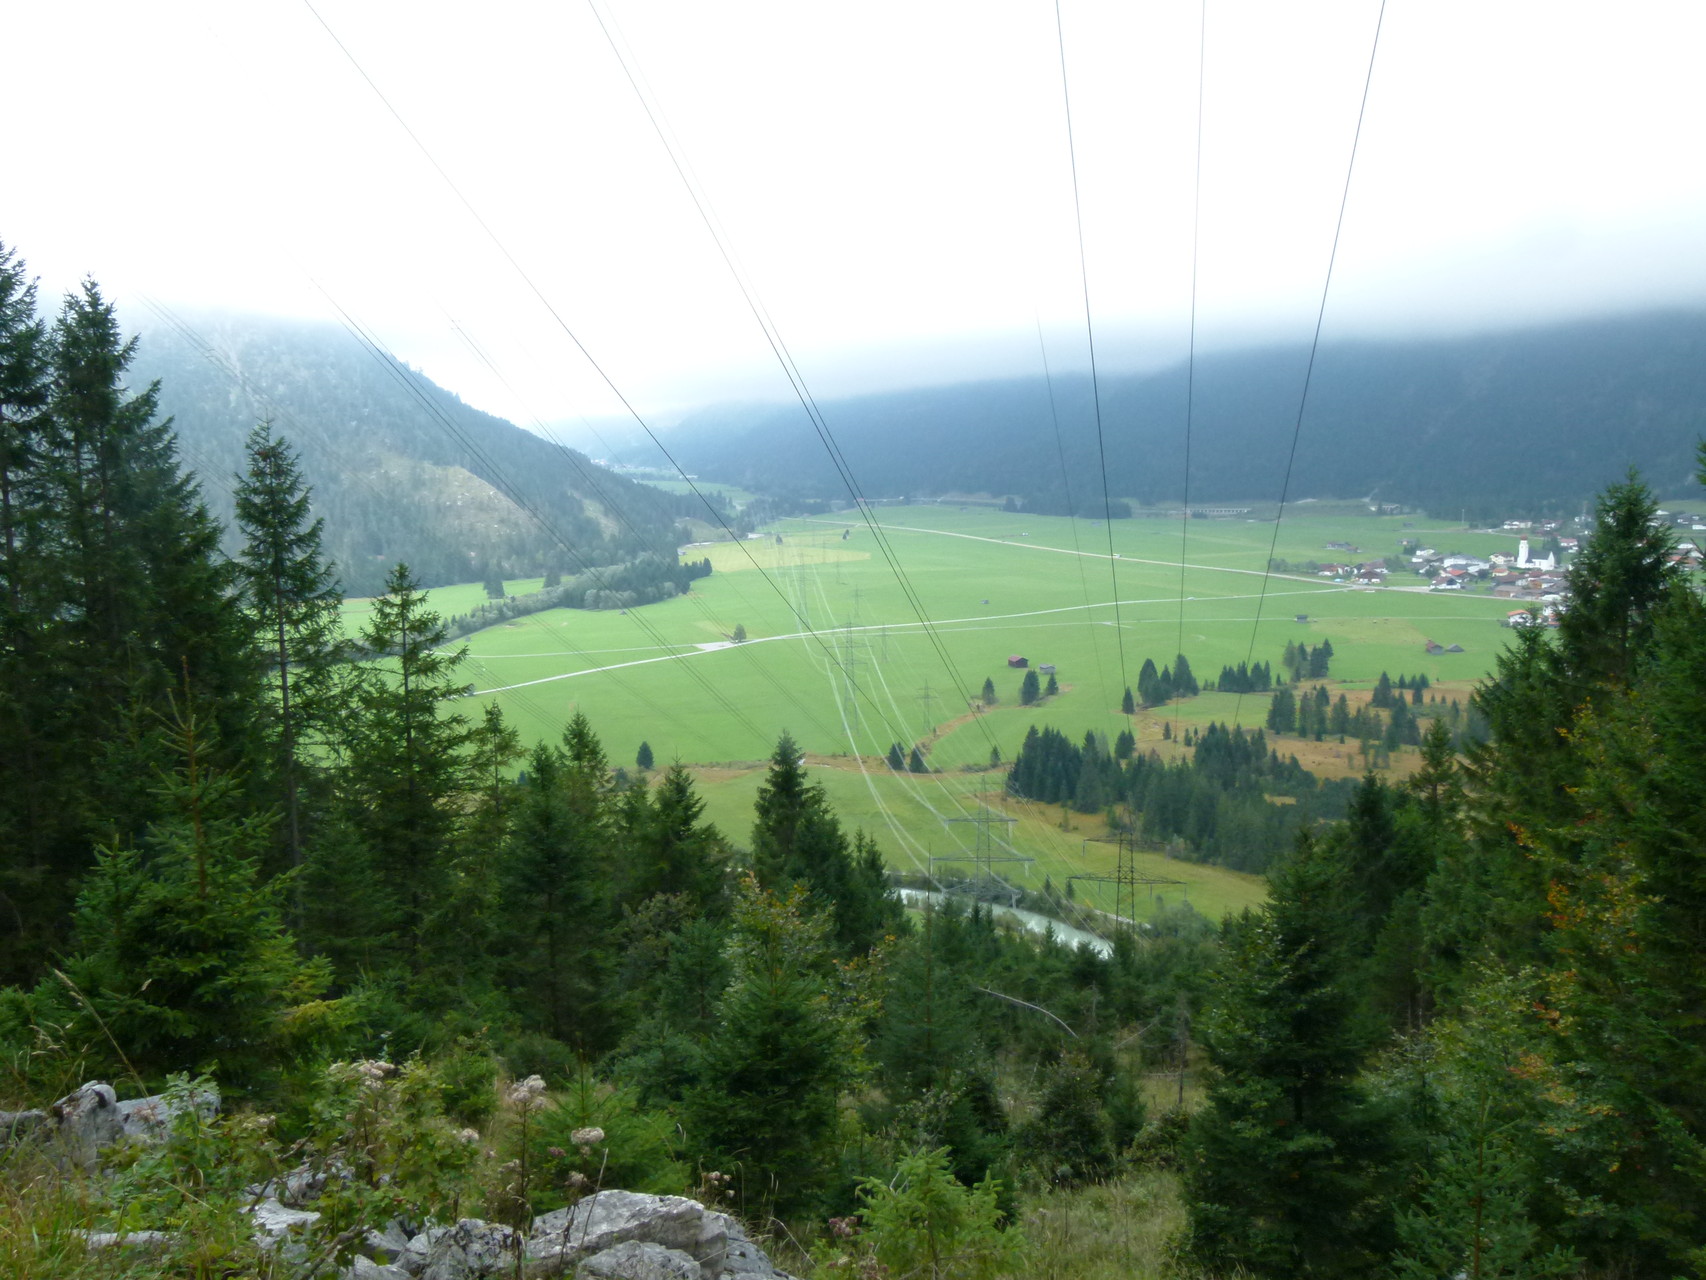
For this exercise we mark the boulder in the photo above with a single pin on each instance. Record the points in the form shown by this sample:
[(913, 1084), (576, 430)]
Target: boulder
[(367, 1269), (392, 1241), (274, 1221), (150, 1119), (150, 1240), (635, 1260), (567, 1239), (18, 1126), (611, 1217), (413, 1259), (84, 1123), (472, 1249)]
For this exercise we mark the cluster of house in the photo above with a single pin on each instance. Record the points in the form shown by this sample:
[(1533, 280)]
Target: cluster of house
[(1371, 573)]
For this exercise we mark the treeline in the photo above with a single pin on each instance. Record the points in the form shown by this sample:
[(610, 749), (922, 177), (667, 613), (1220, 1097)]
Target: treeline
[(1254, 677), (624, 586), (1463, 1039), (1214, 806)]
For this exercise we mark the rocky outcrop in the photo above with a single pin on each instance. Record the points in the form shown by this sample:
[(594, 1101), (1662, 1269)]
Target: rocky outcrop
[(619, 1235), (614, 1235), (84, 1123)]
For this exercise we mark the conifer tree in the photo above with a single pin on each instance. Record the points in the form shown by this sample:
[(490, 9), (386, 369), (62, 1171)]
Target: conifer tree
[(674, 853), (1053, 686), (774, 1067), (1029, 689), (116, 565), (1128, 705), (797, 839), (896, 761), (989, 698), (555, 906), (643, 757), (915, 762), (406, 752), (1283, 1174), (183, 957), (294, 599), (24, 765)]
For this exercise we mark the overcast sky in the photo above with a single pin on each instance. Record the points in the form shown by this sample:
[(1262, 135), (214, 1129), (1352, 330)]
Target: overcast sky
[(894, 177)]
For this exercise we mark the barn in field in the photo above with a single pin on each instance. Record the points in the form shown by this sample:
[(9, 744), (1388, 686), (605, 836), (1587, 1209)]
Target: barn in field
[(1018, 660)]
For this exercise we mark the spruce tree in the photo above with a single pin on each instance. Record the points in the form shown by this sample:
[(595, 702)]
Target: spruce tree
[(406, 772), (25, 764), (1283, 1174), (183, 961), (989, 691), (1029, 689), (555, 899), (643, 757), (123, 603), (797, 840), (294, 598), (896, 761), (915, 762), (1052, 688), (772, 1071), (1128, 705), (673, 852)]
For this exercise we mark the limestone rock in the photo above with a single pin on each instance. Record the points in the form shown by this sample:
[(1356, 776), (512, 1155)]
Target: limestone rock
[(413, 1259), (85, 1122), (367, 1269), (150, 1119), (636, 1260), (471, 1249), (567, 1238), (19, 1126), (611, 1217), (127, 1239), (274, 1221)]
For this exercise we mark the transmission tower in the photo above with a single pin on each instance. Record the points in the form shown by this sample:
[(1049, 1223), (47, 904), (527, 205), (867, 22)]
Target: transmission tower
[(1126, 878), (985, 883)]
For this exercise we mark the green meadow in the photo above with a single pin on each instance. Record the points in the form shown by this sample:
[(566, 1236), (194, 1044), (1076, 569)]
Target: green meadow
[(851, 646)]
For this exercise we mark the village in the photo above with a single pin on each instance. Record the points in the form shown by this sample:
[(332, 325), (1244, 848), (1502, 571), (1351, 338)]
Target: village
[(1537, 580)]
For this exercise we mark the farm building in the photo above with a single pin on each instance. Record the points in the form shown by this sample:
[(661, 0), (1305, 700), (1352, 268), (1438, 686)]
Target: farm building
[(1017, 660), (1047, 668)]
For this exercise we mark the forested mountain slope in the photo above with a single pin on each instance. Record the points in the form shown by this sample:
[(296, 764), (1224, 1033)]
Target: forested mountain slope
[(1539, 418), (401, 469)]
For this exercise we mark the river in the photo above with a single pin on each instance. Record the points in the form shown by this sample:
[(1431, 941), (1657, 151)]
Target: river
[(1034, 921)]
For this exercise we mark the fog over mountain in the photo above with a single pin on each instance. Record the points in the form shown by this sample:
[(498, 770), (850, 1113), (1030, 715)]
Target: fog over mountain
[(1533, 418)]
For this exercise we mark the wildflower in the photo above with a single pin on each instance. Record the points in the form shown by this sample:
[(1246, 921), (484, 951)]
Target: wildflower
[(526, 1093), (588, 1137), (576, 1179), (469, 1135), (556, 1153)]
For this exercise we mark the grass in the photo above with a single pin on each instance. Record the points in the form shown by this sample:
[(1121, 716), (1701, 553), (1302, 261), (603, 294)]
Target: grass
[(1117, 1230), (915, 817), (838, 655)]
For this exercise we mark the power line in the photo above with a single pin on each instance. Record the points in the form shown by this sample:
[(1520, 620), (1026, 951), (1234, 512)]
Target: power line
[(546, 303), (1315, 342), (1071, 518), (790, 369), (1090, 335), (1191, 359)]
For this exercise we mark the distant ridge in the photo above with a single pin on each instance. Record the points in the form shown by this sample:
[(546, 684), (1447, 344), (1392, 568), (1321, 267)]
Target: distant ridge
[(392, 482), (1535, 418)]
